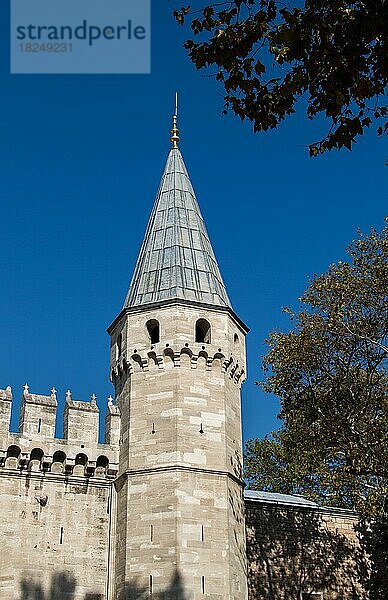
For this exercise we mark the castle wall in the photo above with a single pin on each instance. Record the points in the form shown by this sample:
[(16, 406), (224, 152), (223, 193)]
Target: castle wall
[(53, 528), (56, 495), (293, 551)]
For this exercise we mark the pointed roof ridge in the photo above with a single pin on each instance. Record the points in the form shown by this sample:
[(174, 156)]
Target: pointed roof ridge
[(176, 259)]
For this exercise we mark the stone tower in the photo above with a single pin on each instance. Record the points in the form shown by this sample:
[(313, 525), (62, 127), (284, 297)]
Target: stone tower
[(177, 364)]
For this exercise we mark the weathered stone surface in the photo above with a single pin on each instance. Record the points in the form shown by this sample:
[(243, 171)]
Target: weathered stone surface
[(158, 510), (56, 500), (180, 490), (293, 550)]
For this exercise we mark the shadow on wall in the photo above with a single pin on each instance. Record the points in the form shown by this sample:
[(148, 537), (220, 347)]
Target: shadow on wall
[(292, 551), (374, 542), (175, 591), (63, 587)]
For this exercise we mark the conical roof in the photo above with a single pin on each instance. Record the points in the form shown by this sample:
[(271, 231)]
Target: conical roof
[(176, 260)]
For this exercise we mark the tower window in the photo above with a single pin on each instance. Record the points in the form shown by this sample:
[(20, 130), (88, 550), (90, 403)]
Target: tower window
[(151, 586), (39, 425), (102, 465), (203, 331), (119, 345), (81, 459), (153, 329), (36, 454), (13, 452), (61, 536), (203, 584)]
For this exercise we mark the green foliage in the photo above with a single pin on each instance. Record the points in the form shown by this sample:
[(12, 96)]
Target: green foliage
[(329, 53), (330, 373)]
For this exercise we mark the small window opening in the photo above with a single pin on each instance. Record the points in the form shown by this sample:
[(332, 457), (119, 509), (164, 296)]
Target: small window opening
[(153, 428), (36, 454), (39, 425), (13, 452), (236, 338), (81, 459), (102, 461), (151, 533), (203, 584), (61, 536), (151, 585), (202, 533), (59, 457), (203, 331), (201, 430), (119, 345), (153, 331), (102, 464)]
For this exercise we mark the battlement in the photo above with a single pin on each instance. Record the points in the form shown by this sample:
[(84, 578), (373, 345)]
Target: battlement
[(81, 420), (197, 358), (6, 394), (38, 414), (35, 448)]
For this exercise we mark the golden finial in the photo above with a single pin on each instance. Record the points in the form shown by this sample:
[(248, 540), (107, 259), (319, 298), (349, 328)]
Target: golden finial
[(175, 131)]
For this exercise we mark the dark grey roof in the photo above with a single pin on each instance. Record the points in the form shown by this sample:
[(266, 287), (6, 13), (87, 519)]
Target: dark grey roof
[(271, 498), (176, 260)]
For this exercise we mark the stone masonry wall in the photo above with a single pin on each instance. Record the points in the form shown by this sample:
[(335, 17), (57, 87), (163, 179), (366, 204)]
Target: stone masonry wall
[(56, 500), (54, 534), (294, 551), (179, 486)]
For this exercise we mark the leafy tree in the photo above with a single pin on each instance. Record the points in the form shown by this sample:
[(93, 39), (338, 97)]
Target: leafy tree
[(330, 373), (269, 56)]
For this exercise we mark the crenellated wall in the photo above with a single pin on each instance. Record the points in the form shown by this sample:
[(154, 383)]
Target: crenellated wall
[(79, 446), (57, 499)]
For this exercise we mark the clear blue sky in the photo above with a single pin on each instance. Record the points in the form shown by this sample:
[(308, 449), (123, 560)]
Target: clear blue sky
[(81, 158)]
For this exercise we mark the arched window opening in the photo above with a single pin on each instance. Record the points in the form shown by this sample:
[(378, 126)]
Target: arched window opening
[(203, 331), (236, 338), (119, 346), (168, 357), (13, 452), (81, 459), (12, 459), (36, 458), (59, 459), (102, 461), (102, 465), (153, 329), (36, 454)]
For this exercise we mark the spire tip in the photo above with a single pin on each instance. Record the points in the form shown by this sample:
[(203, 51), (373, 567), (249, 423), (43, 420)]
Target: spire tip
[(175, 131)]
